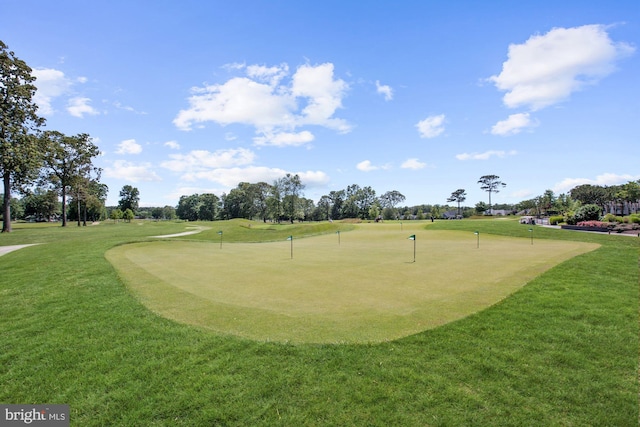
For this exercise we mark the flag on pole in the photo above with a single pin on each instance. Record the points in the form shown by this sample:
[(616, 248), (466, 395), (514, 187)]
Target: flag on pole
[(412, 237), (290, 238), (219, 232)]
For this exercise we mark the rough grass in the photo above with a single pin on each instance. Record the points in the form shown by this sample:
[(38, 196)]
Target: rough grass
[(561, 351), (362, 286)]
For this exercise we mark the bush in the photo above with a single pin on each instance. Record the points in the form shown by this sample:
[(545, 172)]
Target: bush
[(556, 219), (634, 218), (611, 218), (587, 213)]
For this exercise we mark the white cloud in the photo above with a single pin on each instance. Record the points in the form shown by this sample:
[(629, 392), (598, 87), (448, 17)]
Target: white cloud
[(384, 90), (603, 180), (202, 160), (172, 144), (486, 155), (431, 127), (513, 125), (366, 166), (129, 146), (128, 171), (414, 164), (230, 177), (51, 84), (79, 106), (548, 68), (271, 106), (284, 139)]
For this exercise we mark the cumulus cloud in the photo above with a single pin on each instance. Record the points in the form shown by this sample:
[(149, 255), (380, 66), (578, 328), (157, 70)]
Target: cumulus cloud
[(79, 106), (384, 90), (203, 160), (414, 164), (230, 177), (51, 84), (366, 166), (513, 125), (132, 172), (265, 100), (172, 144), (603, 180), (129, 146), (431, 127), (284, 139), (548, 68), (486, 155)]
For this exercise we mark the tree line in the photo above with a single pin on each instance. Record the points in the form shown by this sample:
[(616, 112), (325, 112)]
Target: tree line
[(58, 164)]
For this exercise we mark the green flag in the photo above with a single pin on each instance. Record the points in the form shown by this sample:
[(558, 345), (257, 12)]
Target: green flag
[(290, 238), (412, 237)]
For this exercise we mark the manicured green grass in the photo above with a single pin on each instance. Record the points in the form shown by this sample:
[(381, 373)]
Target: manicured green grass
[(562, 350), (362, 286)]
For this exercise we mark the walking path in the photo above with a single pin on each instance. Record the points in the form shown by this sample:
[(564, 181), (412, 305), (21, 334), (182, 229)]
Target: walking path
[(7, 249), (185, 233)]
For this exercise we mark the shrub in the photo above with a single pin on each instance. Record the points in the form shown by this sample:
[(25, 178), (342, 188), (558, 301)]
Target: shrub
[(610, 218), (554, 220), (634, 218), (588, 213)]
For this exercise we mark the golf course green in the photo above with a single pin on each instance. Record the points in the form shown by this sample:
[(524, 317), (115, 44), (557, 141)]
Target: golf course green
[(360, 286)]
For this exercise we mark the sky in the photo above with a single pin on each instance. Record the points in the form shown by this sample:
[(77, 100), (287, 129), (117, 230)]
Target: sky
[(422, 97)]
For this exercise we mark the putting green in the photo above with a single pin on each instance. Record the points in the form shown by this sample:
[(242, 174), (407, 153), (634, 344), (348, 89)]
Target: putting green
[(357, 286)]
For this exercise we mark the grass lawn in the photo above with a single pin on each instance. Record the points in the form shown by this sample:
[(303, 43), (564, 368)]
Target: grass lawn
[(361, 286), (562, 350)]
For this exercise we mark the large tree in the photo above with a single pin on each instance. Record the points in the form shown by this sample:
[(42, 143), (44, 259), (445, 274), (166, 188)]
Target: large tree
[(129, 198), (459, 196), (491, 184), (20, 150), (68, 163)]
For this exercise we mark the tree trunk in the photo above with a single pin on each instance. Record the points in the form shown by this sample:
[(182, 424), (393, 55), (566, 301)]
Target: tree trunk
[(64, 207), (6, 223)]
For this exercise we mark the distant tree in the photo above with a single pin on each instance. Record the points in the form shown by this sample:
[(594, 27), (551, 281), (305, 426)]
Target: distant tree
[(459, 196), (292, 188), (589, 194), (116, 214), (21, 151), (188, 207), (129, 198), (209, 204), (491, 184), (128, 215), (41, 204), (68, 163), (481, 208)]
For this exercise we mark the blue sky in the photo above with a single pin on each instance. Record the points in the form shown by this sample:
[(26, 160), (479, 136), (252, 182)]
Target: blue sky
[(423, 97)]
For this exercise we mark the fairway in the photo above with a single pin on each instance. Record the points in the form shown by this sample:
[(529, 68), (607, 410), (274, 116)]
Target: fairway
[(357, 286)]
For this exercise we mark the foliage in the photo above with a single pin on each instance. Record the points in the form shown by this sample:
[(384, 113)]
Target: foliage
[(587, 213), (129, 198), (68, 164), (491, 184), (21, 152), (555, 220)]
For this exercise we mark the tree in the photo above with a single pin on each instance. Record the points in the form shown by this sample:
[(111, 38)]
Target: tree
[(208, 210), (21, 152), (188, 207), (491, 184), (292, 188), (129, 198), (68, 163), (41, 204), (459, 196), (128, 215), (116, 214)]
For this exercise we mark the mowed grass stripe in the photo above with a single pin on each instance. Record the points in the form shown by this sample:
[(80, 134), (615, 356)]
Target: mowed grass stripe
[(363, 287)]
